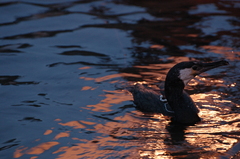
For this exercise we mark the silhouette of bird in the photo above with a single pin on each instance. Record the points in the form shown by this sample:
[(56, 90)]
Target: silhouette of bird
[(177, 102)]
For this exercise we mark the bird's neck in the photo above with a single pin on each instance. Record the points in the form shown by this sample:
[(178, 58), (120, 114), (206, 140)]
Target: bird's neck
[(174, 91)]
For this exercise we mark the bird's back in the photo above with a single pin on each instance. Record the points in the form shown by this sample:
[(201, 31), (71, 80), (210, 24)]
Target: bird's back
[(148, 100)]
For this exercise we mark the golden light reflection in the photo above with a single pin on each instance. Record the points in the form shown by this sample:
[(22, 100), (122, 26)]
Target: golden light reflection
[(85, 67), (193, 83), (198, 79), (111, 97), (108, 77), (93, 149), (176, 60), (150, 66), (87, 78), (187, 35), (47, 132), (217, 81), (74, 124), (116, 81), (157, 47), (39, 149), (145, 136), (88, 88), (152, 137), (101, 146), (87, 122), (233, 85), (62, 134), (226, 51), (140, 82), (209, 133)]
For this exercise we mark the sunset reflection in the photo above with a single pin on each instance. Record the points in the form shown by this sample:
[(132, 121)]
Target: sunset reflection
[(39, 149), (226, 51), (209, 135), (156, 46), (87, 88), (110, 77), (144, 135), (111, 98), (67, 66), (73, 124), (47, 132)]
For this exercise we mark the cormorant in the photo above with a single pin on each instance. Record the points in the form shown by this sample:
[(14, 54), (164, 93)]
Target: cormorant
[(177, 102)]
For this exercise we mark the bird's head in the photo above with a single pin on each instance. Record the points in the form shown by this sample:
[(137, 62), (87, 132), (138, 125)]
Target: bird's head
[(185, 71)]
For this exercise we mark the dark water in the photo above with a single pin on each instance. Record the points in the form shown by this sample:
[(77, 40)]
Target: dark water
[(65, 63)]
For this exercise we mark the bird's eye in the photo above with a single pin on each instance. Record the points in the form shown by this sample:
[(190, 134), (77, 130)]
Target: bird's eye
[(194, 67)]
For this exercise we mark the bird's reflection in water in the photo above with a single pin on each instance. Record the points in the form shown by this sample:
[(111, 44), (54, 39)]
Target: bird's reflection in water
[(177, 133), (165, 139)]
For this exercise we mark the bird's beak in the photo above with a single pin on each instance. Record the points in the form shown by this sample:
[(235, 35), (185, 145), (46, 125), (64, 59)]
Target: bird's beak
[(208, 66)]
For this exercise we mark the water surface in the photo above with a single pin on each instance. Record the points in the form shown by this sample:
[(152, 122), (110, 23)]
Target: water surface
[(65, 66)]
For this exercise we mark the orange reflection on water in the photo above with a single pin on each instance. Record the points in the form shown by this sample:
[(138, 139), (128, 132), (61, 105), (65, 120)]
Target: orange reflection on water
[(111, 97), (87, 78), (108, 77), (157, 46), (74, 124), (233, 84), (104, 78), (62, 134), (207, 82), (107, 144), (227, 51), (39, 149), (87, 122), (87, 88), (210, 135), (152, 137), (84, 68), (47, 132), (159, 153), (99, 148)]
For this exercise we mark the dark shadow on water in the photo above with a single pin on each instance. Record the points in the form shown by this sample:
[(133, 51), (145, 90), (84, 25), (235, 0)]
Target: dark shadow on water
[(11, 80), (177, 133)]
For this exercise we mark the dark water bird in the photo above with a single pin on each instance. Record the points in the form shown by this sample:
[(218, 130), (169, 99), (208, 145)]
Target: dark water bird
[(177, 102)]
